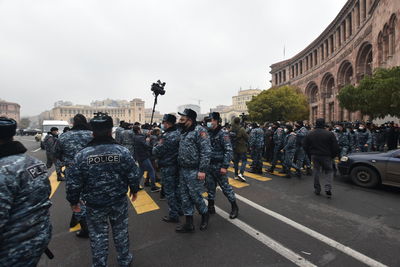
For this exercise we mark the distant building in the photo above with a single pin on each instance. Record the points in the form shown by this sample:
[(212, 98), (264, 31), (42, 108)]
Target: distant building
[(156, 118), (191, 106), (134, 111), (238, 105), (10, 110)]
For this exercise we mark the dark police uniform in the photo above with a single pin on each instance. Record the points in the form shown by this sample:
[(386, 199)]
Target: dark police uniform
[(166, 153), (102, 173), (25, 228)]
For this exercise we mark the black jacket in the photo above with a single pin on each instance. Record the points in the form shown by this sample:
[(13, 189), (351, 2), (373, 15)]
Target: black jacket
[(320, 142), (142, 148)]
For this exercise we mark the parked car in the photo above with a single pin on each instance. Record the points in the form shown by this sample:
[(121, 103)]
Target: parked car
[(372, 168)]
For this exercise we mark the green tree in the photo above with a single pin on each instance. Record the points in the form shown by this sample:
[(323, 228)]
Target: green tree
[(284, 103), (24, 123), (377, 95)]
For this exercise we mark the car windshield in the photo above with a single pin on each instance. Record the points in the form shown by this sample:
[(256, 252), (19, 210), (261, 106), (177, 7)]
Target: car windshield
[(46, 128)]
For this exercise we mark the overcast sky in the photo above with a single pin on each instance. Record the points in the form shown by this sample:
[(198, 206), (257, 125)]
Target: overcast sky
[(86, 50)]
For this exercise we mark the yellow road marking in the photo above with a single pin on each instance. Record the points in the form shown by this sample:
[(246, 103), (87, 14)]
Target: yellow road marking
[(75, 228), (236, 183), (53, 183), (205, 194), (158, 184), (253, 175), (144, 203)]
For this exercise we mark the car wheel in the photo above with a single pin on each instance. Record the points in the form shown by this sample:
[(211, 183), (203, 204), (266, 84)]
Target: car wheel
[(364, 176)]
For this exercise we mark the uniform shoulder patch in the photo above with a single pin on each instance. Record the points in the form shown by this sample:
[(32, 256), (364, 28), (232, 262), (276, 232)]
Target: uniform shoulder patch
[(36, 170), (203, 134), (99, 159)]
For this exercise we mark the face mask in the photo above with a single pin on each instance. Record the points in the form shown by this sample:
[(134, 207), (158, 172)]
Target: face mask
[(361, 128), (182, 125), (209, 125), (162, 127), (269, 128), (286, 130)]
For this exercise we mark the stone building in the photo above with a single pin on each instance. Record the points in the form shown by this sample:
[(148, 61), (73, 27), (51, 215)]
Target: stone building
[(364, 35), (133, 112), (10, 110), (157, 117), (238, 105)]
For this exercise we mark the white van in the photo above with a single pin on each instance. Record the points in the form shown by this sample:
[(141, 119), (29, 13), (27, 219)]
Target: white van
[(48, 124)]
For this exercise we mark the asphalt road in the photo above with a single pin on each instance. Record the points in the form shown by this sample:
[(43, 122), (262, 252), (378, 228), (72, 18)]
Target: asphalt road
[(281, 223)]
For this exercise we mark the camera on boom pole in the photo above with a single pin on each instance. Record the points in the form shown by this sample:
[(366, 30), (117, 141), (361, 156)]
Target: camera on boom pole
[(157, 89)]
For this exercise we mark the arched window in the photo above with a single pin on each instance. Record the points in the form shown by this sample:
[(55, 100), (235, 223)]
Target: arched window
[(380, 48), (392, 34)]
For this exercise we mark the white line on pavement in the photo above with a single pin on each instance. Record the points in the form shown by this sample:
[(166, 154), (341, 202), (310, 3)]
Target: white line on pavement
[(266, 240), (347, 250), (36, 150)]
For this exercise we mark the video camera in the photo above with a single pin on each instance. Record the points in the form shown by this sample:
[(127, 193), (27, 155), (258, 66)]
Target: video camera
[(158, 88)]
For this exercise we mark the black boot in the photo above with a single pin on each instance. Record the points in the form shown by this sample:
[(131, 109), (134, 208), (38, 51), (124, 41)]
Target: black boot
[(308, 171), (271, 170), (298, 173), (235, 210), (204, 221), (84, 232), (73, 221), (60, 178), (211, 207), (187, 227)]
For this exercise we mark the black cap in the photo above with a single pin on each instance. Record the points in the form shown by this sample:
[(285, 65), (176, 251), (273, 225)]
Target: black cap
[(190, 113), (169, 118), (101, 121), (8, 127), (215, 116), (52, 129), (320, 123)]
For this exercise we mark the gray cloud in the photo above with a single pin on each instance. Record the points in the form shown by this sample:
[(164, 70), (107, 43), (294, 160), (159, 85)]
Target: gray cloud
[(87, 50)]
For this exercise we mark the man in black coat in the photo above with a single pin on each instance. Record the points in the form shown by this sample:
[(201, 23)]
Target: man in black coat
[(323, 147)]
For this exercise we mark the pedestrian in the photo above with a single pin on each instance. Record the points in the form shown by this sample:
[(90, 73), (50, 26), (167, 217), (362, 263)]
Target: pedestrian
[(68, 145), (102, 173), (393, 134), (256, 143), (126, 137), (239, 139), (142, 155), (221, 156), (166, 153), (323, 147), (49, 143), (193, 160), (25, 228)]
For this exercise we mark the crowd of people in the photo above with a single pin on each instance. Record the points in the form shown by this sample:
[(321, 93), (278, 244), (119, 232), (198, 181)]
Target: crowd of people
[(186, 156)]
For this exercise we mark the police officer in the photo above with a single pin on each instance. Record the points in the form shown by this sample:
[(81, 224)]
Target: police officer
[(279, 142), (25, 228), (289, 151), (301, 156), (256, 142), (118, 131), (343, 138), (221, 156), (49, 143), (68, 145), (126, 138), (102, 173), (193, 160), (166, 152), (364, 139)]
